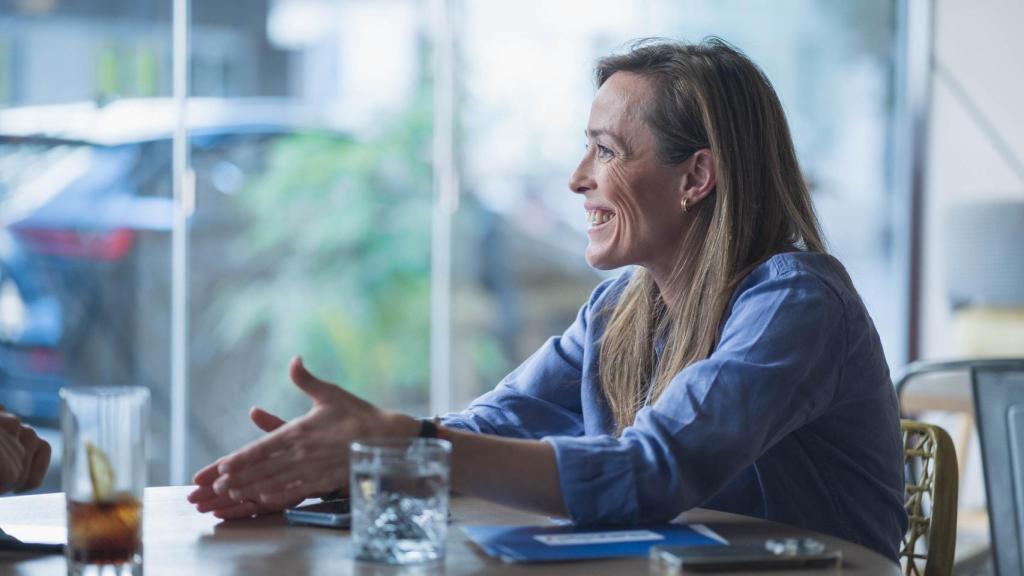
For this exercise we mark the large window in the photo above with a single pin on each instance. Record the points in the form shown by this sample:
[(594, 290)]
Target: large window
[(311, 233), (85, 207), (338, 151)]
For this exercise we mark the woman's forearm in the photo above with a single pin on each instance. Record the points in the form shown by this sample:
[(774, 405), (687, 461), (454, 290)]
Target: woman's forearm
[(518, 473)]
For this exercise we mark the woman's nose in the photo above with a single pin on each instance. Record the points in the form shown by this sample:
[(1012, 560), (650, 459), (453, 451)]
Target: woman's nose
[(581, 181)]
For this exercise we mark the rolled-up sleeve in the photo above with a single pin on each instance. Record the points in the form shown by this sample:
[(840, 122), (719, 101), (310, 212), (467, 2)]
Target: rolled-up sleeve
[(776, 368), (542, 396)]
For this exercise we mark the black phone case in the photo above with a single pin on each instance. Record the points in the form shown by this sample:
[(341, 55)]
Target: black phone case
[(327, 514)]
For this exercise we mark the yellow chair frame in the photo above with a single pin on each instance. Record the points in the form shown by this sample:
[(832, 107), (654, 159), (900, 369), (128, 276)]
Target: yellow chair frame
[(932, 485)]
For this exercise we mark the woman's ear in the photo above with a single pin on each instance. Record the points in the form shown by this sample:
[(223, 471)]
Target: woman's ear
[(700, 178)]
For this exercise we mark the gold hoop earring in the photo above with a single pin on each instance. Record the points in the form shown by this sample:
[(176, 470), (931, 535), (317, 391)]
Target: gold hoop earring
[(686, 207)]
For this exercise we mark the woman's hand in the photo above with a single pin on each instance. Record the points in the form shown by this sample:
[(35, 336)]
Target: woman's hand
[(295, 460), (206, 500), (24, 456)]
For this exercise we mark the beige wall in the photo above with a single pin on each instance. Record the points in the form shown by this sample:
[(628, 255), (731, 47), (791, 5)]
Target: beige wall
[(978, 45)]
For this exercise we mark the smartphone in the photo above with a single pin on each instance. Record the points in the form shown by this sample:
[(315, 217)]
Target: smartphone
[(329, 513), (766, 556)]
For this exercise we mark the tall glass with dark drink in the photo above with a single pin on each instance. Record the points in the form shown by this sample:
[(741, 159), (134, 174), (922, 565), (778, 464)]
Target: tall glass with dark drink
[(104, 473)]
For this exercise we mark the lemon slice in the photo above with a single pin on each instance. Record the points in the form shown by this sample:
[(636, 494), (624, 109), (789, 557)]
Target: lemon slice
[(101, 473)]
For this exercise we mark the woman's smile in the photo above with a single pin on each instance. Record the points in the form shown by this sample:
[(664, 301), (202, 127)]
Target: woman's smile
[(598, 219)]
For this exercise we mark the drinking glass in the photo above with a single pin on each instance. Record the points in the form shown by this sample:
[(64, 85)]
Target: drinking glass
[(399, 491), (104, 473)]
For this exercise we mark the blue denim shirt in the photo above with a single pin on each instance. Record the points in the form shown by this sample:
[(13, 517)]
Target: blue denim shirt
[(792, 418)]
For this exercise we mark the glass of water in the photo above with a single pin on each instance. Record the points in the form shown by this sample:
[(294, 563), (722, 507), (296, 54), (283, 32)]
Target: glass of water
[(399, 491)]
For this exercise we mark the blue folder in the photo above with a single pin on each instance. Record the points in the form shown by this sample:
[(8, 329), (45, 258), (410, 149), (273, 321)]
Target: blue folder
[(558, 543)]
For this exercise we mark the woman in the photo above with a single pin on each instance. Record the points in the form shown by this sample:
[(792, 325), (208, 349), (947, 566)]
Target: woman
[(734, 368)]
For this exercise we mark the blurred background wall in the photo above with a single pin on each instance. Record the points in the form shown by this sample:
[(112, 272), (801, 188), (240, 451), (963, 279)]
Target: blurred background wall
[(974, 172)]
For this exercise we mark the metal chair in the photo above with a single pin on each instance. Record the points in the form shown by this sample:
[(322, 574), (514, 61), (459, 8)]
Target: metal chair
[(998, 388), (923, 367), (946, 389), (932, 482)]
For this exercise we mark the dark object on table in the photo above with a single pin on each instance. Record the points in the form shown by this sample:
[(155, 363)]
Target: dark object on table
[(10, 544), (782, 554), (329, 513)]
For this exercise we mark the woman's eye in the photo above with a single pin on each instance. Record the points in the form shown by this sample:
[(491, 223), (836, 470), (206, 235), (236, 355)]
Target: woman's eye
[(602, 152)]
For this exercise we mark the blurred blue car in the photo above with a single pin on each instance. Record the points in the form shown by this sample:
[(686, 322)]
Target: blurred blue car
[(85, 216), (31, 327)]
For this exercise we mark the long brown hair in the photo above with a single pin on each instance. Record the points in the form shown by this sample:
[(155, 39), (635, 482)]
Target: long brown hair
[(706, 95)]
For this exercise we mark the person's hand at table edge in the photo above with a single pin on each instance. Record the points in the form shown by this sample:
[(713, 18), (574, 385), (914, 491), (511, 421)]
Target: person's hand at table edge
[(305, 457), (24, 456)]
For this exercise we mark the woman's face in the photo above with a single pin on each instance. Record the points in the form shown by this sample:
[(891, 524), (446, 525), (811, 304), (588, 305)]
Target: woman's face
[(633, 201)]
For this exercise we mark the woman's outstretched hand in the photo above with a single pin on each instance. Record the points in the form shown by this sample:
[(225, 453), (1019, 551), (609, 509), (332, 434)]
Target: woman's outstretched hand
[(295, 460)]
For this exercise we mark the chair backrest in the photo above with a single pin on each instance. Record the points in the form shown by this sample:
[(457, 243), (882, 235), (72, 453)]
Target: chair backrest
[(951, 393), (920, 368), (999, 406), (932, 482)]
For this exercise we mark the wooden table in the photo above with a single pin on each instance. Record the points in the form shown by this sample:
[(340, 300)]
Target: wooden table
[(178, 540)]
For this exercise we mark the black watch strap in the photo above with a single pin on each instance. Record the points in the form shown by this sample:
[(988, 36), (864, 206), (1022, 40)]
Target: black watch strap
[(428, 428)]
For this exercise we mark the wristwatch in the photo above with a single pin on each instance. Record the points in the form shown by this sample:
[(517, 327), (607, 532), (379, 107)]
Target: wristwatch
[(429, 427)]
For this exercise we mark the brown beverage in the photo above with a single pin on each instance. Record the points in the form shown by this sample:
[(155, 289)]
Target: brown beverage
[(105, 532)]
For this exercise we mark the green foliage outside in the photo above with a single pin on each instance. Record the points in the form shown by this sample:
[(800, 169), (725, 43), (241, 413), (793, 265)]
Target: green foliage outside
[(338, 234)]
